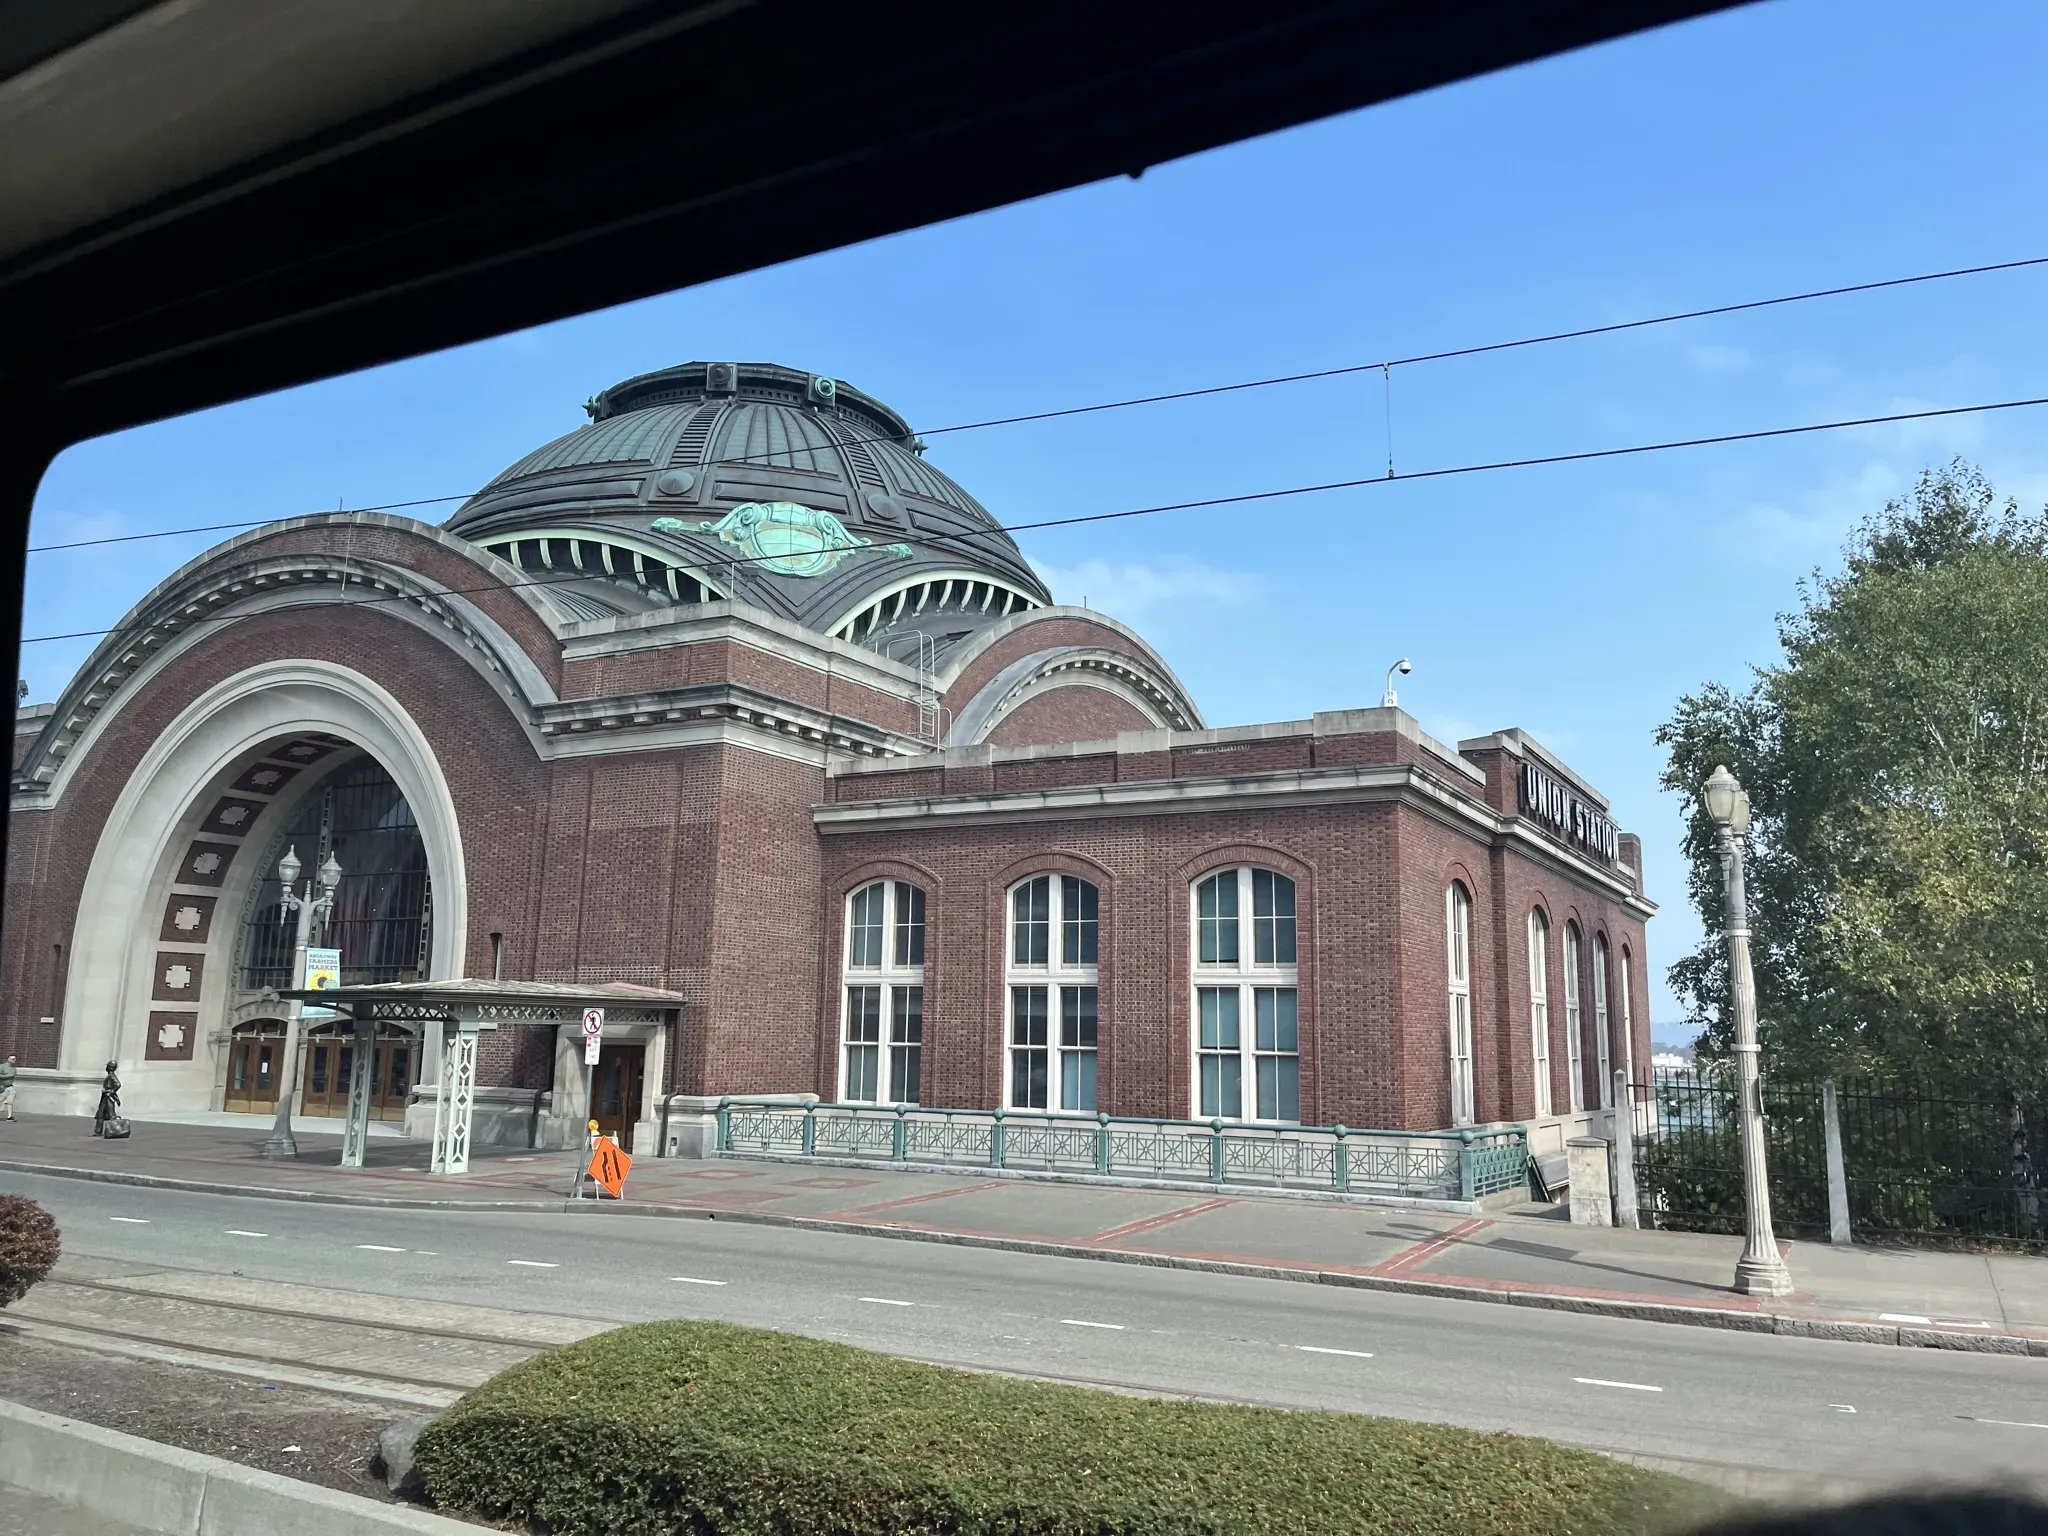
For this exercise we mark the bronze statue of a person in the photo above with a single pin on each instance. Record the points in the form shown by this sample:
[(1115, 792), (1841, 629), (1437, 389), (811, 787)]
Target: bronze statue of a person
[(110, 1101)]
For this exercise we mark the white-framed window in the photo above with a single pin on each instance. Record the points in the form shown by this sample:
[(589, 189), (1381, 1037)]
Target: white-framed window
[(1628, 1028), (1539, 1006), (1246, 1006), (882, 1027), (1603, 1047), (1574, 1019), (1458, 934), (1054, 1021)]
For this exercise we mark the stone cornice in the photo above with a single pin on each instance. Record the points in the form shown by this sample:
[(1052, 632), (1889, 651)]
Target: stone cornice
[(1400, 783), (578, 727)]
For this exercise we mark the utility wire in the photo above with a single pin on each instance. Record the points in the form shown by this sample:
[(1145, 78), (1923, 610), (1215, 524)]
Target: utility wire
[(1383, 367), (1534, 461)]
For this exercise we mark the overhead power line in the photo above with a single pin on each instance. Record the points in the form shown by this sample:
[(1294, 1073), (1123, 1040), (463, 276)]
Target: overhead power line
[(1534, 461), (1383, 367)]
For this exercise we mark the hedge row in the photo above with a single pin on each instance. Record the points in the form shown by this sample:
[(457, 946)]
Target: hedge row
[(725, 1431)]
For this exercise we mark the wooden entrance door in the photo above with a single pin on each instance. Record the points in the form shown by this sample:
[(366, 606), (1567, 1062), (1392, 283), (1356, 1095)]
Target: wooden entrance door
[(330, 1058), (255, 1062), (616, 1089)]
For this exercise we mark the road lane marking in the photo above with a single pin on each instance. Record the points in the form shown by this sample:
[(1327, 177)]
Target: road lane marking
[(886, 1301), (1951, 1323), (1317, 1349), (1630, 1386), (1905, 1317), (693, 1280), (379, 1248), (238, 1232), (2004, 1423), (1843, 1407), (1078, 1322), (134, 1221), (427, 1253), (533, 1263)]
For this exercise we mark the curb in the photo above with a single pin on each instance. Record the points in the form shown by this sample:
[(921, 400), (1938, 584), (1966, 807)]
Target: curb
[(174, 1492), (1838, 1330)]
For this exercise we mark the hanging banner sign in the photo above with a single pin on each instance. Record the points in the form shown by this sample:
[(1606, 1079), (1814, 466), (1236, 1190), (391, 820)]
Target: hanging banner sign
[(1544, 798), (323, 973)]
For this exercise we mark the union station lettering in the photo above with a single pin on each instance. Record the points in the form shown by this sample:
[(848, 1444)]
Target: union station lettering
[(1547, 799)]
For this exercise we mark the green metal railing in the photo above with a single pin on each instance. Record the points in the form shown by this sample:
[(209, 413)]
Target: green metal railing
[(1445, 1165)]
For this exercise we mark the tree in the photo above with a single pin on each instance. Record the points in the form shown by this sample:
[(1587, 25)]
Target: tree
[(1897, 764)]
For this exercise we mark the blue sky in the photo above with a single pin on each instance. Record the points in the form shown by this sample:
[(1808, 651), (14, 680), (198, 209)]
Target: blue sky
[(1787, 146)]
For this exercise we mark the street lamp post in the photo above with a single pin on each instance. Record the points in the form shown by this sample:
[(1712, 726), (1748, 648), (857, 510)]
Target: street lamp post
[(1761, 1270), (308, 906)]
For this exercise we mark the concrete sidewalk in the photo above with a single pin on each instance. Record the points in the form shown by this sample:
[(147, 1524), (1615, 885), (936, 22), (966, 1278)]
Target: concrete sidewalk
[(1527, 1256)]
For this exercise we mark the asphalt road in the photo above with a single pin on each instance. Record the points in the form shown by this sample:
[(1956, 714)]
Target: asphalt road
[(1843, 1410)]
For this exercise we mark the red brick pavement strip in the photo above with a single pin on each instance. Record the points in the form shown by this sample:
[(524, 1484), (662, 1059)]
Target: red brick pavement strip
[(1164, 1218), (1409, 1258), (890, 1205)]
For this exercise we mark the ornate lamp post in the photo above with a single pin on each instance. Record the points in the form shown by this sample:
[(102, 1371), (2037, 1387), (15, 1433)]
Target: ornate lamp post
[(1761, 1270), (308, 906)]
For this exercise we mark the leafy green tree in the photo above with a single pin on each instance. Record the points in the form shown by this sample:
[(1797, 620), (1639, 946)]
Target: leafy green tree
[(1896, 760)]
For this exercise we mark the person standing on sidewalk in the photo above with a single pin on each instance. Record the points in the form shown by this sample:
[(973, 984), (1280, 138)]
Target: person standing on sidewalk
[(7, 1076)]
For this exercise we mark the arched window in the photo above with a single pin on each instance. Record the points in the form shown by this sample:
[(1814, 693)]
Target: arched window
[(1539, 1006), (1574, 1021), (1246, 1013), (883, 1028), (1603, 1046), (1458, 933), (1628, 1026), (1052, 980)]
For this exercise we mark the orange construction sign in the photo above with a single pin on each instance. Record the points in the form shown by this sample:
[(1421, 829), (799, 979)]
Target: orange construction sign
[(609, 1165)]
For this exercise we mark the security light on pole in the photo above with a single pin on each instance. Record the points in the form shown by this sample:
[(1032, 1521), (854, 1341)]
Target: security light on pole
[(1391, 699)]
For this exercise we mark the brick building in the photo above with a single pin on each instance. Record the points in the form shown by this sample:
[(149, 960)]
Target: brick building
[(732, 693)]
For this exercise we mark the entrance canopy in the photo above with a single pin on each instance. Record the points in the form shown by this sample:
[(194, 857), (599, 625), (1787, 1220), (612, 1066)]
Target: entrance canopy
[(456, 1013)]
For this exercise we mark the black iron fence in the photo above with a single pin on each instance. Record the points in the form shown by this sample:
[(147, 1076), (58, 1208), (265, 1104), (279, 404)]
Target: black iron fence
[(1919, 1164)]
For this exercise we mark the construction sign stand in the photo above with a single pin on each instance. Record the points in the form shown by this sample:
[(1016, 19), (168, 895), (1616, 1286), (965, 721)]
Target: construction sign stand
[(609, 1165)]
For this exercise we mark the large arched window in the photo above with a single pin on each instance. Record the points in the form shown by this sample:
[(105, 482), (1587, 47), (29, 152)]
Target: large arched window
[(1574, 1019), (382, 919), (1053, 994), (1539, 1006), (1458, 933), (1246, 1013), (882, 1032), (1603, 1046)]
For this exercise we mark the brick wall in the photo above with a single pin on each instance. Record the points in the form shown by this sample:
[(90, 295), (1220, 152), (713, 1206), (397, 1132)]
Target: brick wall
[(1069, 713)]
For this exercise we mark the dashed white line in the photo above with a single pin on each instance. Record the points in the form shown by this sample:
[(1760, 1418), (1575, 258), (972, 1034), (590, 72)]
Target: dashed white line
[(1318, 1349), (2007, 1423), (133, 1221), (533, 1263), (693, 1280), (238, 1232), (886, 1301), (1904, 1317), (1081, 1322), (1843, 1407), (1629, 1386), (378, 1248)]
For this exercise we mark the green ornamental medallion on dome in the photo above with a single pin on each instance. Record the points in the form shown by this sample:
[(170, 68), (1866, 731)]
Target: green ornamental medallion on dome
[(786, 538)]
